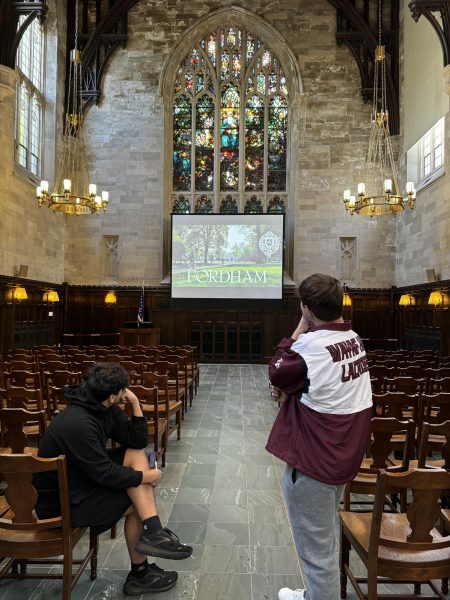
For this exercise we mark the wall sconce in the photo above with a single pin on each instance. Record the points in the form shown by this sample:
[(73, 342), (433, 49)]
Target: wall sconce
[(346, 300), (50, 296), (407, 300), (110, 299), (19, 294), (439, 299)]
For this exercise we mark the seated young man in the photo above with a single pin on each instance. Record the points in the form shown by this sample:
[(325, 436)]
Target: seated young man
[(107, 484)]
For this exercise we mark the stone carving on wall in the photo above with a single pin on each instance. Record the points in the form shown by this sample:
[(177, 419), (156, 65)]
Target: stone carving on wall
[(348, 258), (111, 254)]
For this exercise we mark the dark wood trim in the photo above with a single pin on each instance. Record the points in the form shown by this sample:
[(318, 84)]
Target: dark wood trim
[(427, 8), (9, 18)]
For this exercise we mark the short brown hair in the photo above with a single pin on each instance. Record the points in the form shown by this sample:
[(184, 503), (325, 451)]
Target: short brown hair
[(323, 296), (106, 378)]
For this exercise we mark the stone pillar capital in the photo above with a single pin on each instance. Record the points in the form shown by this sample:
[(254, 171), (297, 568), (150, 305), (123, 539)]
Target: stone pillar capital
[(8, 81)]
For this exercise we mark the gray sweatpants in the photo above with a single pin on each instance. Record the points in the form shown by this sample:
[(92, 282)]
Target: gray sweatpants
[(312, 509)]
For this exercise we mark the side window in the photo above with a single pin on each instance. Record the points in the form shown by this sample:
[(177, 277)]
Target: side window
[(30, 97)]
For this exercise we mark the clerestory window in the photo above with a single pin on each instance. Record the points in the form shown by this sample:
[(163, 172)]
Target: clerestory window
[(230, 127)]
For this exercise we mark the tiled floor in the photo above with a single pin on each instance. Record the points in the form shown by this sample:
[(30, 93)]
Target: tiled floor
[(220, 492)]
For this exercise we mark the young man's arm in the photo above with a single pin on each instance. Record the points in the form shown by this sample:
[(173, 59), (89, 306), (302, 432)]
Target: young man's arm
[(130, 433), (287, 369)]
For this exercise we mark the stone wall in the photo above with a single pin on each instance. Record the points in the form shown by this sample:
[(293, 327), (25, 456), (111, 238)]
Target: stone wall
[(126, 149), (422, 237), (30, 235)]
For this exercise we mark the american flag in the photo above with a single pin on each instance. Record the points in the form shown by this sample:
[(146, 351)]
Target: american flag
[(140, 314)]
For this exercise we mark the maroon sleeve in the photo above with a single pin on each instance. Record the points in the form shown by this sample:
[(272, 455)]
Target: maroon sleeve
[(287, 369)]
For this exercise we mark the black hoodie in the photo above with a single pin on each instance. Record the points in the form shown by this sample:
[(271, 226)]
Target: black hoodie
[(81, 432)]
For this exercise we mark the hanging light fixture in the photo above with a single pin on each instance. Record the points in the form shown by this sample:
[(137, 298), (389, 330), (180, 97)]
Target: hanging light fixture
[(346, 300), (379, 193), (72, 193)]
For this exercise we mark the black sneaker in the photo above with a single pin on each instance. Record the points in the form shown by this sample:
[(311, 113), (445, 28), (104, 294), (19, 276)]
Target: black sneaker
[(163, 544), (154, 580)]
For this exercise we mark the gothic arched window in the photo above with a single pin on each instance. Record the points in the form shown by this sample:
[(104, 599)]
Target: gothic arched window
[(230, 116)]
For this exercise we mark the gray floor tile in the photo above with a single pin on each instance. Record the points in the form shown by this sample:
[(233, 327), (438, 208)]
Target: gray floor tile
[(266, 587), (280, 560), (226, 559), (224, 586), (236, 534)]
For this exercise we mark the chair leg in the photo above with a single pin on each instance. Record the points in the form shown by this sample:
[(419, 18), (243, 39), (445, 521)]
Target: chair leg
[(114, 531), (372, 592), (444, 585), (347, 497), (344, 560), (67, 575), (93, 543), (417, 588), (178, 421)]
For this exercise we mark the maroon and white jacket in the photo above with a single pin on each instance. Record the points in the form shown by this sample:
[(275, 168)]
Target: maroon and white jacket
[(322, 429)]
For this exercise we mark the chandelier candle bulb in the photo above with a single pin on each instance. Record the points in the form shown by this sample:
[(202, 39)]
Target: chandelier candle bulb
[(39, 192), (346, 194), (92, 189), (67, 185), (410, 187), (361, 189), (44, 186), (388, 186), (105, 196)]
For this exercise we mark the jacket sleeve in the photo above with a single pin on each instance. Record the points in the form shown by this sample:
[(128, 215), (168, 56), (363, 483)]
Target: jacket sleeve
[(84, 449), (287, 369), (130, 433)]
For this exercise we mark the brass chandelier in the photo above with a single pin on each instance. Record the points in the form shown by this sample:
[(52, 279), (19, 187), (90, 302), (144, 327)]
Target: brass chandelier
[(379, 193), (72, 193)]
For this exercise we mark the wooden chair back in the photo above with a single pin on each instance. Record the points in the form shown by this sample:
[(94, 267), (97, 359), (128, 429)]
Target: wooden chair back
[(21, 397), (426, 486), (427, 443), (29, 379), (25, 537), (397, 405), (438, 385), (16, 423), (408, 385), (381, 445)]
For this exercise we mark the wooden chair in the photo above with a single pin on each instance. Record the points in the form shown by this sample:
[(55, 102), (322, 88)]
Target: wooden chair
[(168, 406), (193, 371), (401, 547), (378, 458), (25, 539), (134, 369), (414, 371), (186, 378), (55, 382), (157, 426), (21, 397), (177, 388), (18, 426)]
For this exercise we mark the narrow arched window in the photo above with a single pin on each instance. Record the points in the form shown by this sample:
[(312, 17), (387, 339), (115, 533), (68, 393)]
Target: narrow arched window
[(30, 97), (230, 123)]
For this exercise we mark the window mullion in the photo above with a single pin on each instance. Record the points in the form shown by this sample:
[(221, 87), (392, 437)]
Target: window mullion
[(193, 148)]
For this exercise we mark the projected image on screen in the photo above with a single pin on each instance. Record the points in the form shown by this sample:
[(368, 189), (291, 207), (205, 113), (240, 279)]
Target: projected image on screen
[(227, 256)]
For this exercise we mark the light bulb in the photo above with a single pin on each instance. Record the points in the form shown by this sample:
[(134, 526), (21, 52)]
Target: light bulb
[(67, 185), (346, 194), (410, 187), (39, 192), (361, 189), (388, 186), (98, 200), (44, 186), (92, 189), (105, 196)]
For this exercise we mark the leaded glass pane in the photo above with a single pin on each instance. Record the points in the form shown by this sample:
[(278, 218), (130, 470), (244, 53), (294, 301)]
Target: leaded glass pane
[(23, 118), (276, 205), (203, 205), (204, 144), (195, 58), (182, 127), (181, 206), (254, 144), (35, 141), (253, 206), (228, 206), (225, 66), (277, 140), (211, 48), (229, 137)]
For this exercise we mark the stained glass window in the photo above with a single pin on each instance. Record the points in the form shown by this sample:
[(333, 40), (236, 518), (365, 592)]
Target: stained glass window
[(276, 205), (30, 98), (253, 206), (230, 119)]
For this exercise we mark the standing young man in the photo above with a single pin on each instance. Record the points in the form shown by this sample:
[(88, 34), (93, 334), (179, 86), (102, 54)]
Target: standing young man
[(321, 378), (107, 484)]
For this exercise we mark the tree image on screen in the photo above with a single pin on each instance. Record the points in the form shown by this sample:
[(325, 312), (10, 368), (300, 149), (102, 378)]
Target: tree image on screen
[(233, 257)]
